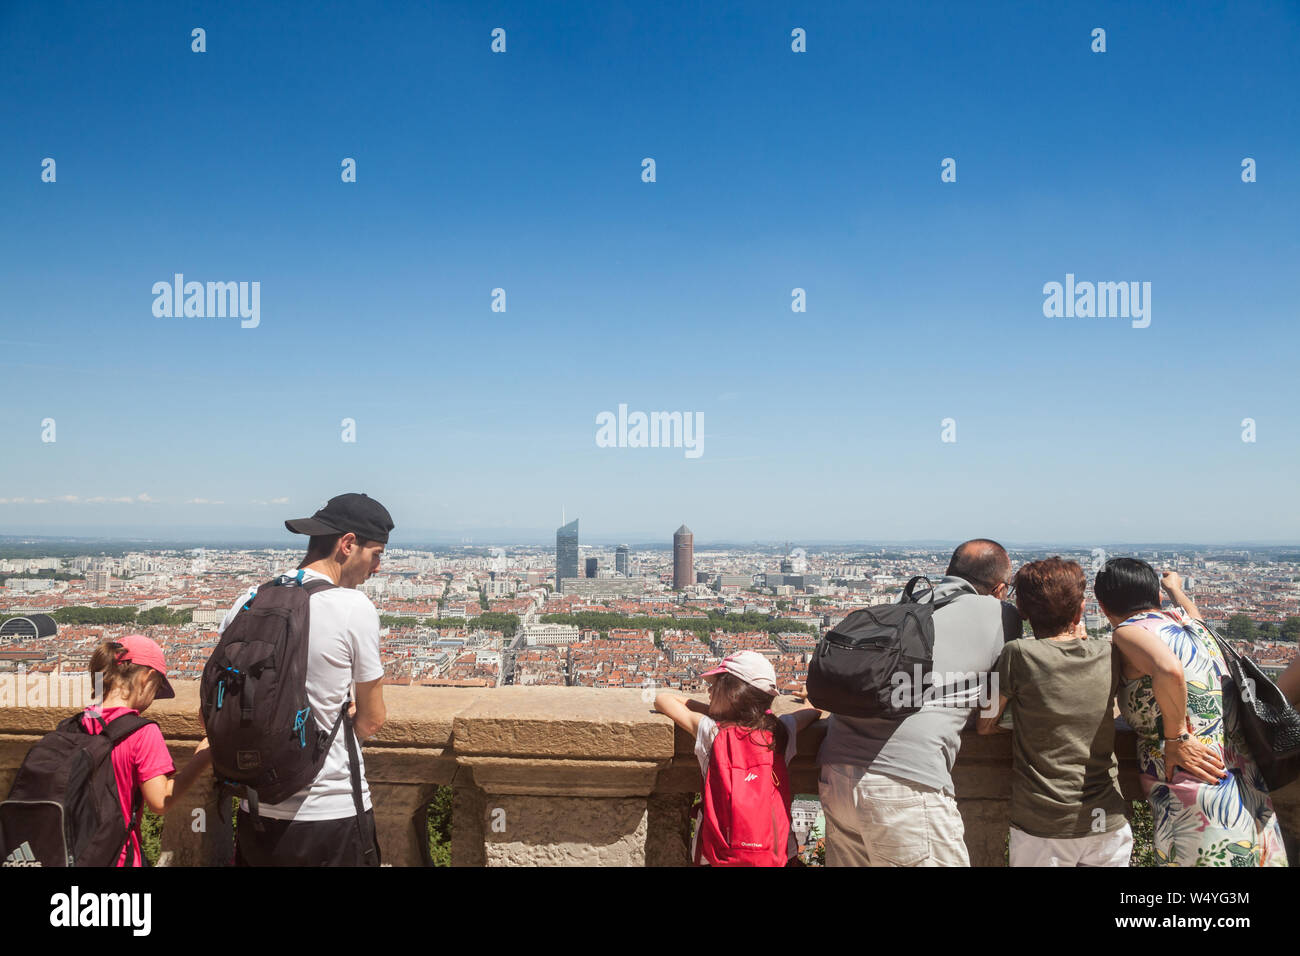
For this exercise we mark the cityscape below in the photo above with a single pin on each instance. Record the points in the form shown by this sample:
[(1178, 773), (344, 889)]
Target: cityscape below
[(578, 616)]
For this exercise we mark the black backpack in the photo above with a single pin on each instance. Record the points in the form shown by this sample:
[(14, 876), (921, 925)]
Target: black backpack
[(1256, 707), (63, 809), (266, 742), (852, 671)]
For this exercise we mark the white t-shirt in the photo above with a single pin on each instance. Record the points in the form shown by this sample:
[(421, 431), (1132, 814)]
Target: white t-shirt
[(708, 730), (343, 648), (705, 734)]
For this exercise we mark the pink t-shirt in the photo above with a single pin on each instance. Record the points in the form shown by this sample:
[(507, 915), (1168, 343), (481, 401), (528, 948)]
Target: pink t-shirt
[(140, 757)]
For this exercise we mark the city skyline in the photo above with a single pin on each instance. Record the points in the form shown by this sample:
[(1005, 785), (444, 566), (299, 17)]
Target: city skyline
[(542, 540)]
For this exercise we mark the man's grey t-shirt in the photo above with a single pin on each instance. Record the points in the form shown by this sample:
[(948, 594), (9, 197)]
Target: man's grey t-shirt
[(969, 632)]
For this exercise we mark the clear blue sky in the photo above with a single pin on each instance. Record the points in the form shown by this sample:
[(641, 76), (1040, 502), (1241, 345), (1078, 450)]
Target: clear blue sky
[(775, 170)]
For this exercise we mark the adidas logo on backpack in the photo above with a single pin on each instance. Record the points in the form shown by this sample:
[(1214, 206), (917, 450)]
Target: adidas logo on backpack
[(21, 856)]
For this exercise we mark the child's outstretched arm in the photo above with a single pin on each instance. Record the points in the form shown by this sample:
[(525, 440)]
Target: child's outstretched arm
[(685, 713), (161, 792)]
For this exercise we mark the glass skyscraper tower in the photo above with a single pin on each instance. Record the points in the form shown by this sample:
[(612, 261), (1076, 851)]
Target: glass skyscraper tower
[(566, 552)]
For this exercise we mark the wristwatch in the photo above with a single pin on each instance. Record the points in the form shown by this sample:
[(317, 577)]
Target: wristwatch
[(1182, 738)]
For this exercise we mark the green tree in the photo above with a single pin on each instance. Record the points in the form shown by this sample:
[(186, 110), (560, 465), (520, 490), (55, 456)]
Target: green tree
[(603, 621), (151, 827), (439, 827), (1240, 628), (163, 617), (153, 617), (77, 614), (1291, 628), (1144, 853), (507, 624)]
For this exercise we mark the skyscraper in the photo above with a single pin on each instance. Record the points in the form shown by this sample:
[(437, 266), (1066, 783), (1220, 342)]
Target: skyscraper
[(620, 560), (593, 567), (566, 552), (683, 558)]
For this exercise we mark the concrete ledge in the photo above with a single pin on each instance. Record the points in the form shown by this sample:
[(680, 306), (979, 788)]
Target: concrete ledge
[(558, 722), (585, 778), (547, 776)]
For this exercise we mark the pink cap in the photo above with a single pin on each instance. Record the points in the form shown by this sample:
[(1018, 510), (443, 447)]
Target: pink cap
[(751, 667), (141, 650)]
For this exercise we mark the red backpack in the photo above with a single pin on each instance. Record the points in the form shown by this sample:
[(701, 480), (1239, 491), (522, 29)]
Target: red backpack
[(744, 816)]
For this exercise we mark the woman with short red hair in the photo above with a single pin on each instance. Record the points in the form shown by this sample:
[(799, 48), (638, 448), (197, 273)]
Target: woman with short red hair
[(1066, 805)]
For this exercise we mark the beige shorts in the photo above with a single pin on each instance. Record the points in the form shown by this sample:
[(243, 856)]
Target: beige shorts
[(874, 820)]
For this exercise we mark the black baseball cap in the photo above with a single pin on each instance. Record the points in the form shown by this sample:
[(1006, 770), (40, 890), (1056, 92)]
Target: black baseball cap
[(360, 514)]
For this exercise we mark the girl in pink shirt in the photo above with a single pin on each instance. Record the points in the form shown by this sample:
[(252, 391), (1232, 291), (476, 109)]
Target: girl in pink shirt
[(134, 674)]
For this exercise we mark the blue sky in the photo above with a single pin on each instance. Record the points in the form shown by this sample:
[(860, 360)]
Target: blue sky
[(775, 170)]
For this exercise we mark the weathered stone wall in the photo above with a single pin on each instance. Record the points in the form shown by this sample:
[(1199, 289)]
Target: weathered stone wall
[(543, 776)]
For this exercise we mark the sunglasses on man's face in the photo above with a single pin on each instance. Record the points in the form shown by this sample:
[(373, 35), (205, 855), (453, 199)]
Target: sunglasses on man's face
[(1009, 585)]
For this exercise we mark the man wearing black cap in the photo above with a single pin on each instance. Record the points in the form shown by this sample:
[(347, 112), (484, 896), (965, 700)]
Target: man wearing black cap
[(319, 825)]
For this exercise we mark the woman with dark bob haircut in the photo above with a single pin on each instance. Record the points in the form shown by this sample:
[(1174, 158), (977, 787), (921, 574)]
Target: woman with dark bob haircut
[(1209, 804)]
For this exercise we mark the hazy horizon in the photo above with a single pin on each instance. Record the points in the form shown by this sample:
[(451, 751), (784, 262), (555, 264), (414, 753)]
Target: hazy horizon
[(249, 539)]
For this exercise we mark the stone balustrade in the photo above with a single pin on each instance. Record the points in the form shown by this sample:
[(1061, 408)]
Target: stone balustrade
[(543, 776)]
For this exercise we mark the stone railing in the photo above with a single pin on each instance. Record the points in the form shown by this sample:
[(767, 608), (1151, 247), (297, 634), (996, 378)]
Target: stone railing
[(544, 776)]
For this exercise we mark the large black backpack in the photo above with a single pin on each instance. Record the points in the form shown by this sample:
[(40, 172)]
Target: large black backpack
[(852, 671), (1258, 710), (266, 742), (63, 809)]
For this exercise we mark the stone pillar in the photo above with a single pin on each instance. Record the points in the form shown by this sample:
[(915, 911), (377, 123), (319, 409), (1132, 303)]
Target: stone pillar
[(983, 784), (668, 831), (562, 776), (402, 781), (191, 829), (468, 814)]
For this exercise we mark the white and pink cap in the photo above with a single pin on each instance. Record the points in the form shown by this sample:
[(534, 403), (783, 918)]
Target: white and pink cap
[(751, 667)]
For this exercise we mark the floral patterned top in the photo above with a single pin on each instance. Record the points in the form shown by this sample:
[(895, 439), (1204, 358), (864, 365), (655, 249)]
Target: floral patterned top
[(1196, 823)]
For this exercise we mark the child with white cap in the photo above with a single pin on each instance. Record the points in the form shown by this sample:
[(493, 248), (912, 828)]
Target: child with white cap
[(744, 751)]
